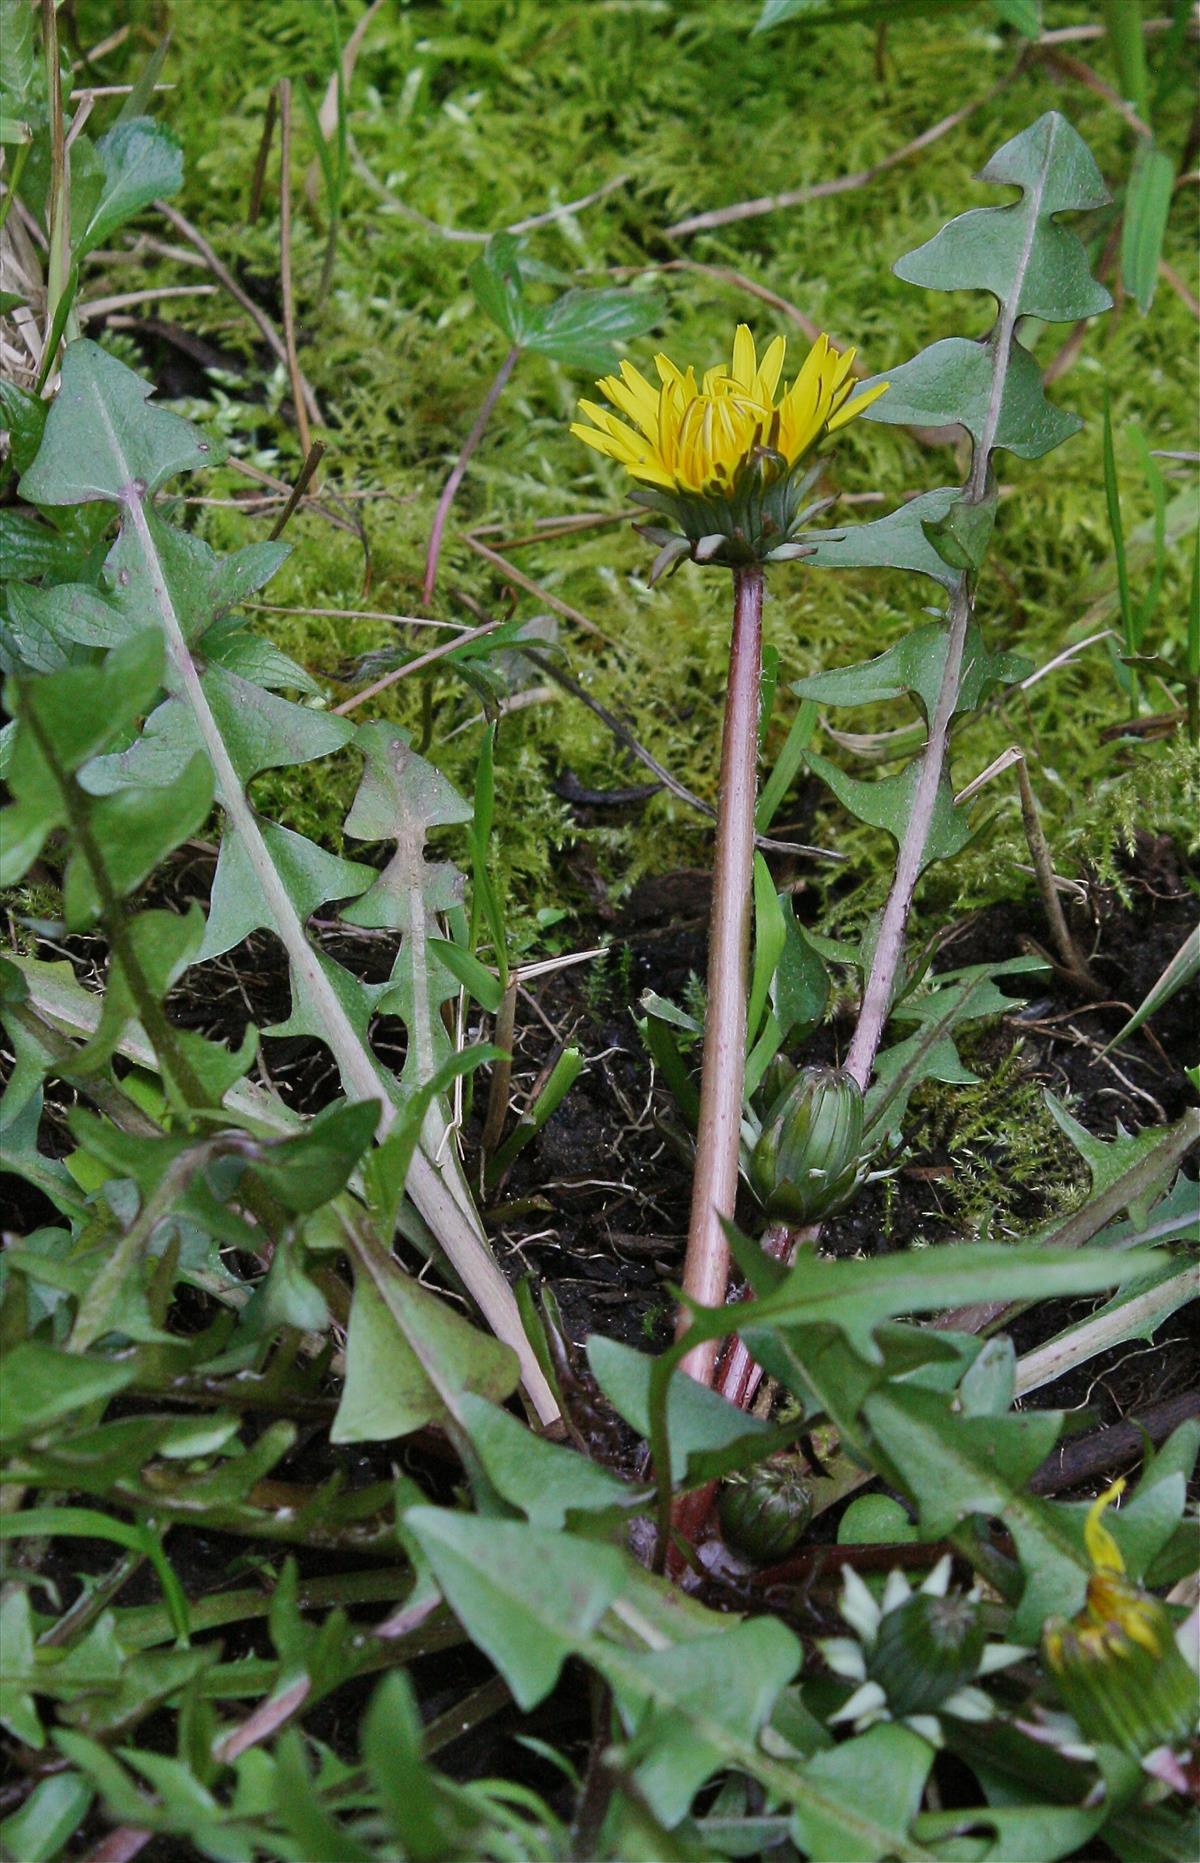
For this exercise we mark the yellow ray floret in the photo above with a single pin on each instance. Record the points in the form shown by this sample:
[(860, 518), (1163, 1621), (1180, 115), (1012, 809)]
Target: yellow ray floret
[(1102, 1548), (684, 437)]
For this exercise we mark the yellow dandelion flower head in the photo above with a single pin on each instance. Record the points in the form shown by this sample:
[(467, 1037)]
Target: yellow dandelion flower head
[(698, 436)]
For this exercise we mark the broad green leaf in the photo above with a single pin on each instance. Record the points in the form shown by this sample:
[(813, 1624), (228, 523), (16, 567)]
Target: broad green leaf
[(583, 329), (708, 1436), (142, 161), (667, 1755), (914, 667), (898, 541), (61, 551), (22, 414), (409, 1356), (1147, 205), (68, 716), (1023, 248), (311, 876), (886, 802), (950, 384), (531, 1599), (989, 1383), (103, 440), (309, 1170), (40, 1386), (203, 588), (954, 1466), (876, 1519), (26, 645), (41, 1829), (496, 281), (800, 986), (132, 831), (591, 329), (22, 85), (857, 1296), (545, 1480), (257, 660), (527, 1598), (882, 1773), (260, 730), (18, 1710), (961, 538), (1035, 1833)]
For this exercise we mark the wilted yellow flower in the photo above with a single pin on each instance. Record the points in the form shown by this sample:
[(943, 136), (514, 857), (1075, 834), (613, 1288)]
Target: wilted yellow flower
[(1117, 1664), (698, 438)]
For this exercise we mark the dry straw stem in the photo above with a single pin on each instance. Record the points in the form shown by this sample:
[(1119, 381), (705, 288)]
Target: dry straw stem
[(465, 235), (625, 736), (313, 458), (229, 283), (455, 478), (840, 184), (726, 274), (285, 261), (1071, 959), (414, 666)]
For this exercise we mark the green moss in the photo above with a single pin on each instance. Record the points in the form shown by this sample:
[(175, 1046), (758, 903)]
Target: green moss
[(478, 113), (1001, 1140)]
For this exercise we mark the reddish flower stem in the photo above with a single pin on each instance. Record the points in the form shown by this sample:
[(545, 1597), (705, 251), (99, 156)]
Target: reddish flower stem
[(738, 1376), (459, 468), (714, 1186)]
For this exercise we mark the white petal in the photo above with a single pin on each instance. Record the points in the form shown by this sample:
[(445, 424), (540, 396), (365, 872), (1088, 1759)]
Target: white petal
[(970, 1704), (867, 1700), (897, 1591), (844, 1656), (1000, 1656), (938, 1582), (858, 1607)]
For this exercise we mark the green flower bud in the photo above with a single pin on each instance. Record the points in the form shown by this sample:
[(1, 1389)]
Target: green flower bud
[(806, 1164), (925, 1649), (764, 1513)]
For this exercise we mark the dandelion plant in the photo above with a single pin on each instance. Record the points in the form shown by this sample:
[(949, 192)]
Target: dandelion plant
[(730, 467)]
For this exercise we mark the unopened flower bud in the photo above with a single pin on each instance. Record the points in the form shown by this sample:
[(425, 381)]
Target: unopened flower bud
[(925, 1650), (806, 1164), (764, 1512)]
